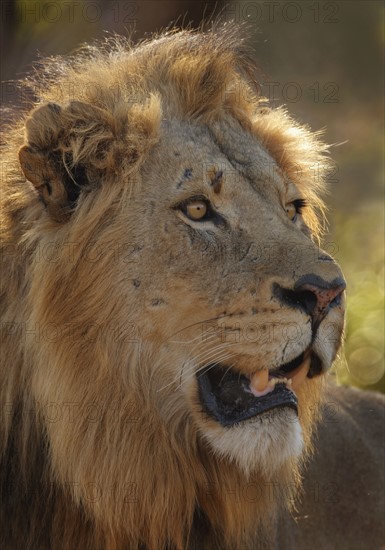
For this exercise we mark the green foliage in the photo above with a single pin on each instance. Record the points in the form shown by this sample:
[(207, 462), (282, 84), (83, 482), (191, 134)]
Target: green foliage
[(360, 241)]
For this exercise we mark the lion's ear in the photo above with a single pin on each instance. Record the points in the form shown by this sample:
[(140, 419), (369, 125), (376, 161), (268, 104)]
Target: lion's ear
[(69, 149)]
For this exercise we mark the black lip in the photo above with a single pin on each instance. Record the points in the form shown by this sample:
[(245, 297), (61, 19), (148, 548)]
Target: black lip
[(288, 367), (225, 396), (316, 367)]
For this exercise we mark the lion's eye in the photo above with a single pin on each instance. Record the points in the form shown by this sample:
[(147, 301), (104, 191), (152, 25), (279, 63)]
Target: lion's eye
[(291, 211), (294, 208), (196, 210), (199, 209)]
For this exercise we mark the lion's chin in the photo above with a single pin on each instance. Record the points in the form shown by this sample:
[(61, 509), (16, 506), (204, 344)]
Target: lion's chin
[(263, 444), (252, 420)]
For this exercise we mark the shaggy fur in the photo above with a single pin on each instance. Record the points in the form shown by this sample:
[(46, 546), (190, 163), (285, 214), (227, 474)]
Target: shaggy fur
[(111, 300)]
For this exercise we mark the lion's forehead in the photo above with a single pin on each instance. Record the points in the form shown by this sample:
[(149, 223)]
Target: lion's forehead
[(190, 151)]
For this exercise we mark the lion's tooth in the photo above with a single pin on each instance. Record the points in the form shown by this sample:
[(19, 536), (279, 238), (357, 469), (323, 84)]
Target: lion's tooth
[(259, 380)]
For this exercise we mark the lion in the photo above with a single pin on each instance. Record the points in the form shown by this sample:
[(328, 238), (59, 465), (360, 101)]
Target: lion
[(168, 316)]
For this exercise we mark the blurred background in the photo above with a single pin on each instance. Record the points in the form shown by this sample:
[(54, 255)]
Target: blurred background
[(324, 61)]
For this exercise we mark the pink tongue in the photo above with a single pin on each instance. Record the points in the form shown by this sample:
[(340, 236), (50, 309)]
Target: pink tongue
[(259, 383)]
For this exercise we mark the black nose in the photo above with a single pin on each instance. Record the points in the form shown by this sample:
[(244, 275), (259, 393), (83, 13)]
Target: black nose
[(313, 295)]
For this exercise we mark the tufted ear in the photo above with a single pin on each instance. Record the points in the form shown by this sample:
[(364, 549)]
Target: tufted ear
[(68, 150)]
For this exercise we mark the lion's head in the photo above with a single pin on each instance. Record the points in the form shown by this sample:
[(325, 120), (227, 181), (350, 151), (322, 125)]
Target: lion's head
[(174, 311)]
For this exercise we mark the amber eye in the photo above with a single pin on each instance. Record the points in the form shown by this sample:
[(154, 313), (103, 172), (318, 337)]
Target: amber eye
[(291, 211), (196, 210), (295, 207)]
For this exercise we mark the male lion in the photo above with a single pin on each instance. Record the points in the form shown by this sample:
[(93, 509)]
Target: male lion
[(168, 317)]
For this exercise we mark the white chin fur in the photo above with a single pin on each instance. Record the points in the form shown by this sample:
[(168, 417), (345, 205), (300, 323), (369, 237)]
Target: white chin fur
[(263, 443)]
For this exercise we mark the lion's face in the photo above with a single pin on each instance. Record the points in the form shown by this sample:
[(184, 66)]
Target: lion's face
[(236, 293)]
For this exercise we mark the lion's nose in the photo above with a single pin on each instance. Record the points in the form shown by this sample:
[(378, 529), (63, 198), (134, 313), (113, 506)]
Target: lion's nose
[(313, 295)]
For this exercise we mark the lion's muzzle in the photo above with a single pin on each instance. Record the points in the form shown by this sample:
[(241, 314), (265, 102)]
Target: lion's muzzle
[(313, 295)]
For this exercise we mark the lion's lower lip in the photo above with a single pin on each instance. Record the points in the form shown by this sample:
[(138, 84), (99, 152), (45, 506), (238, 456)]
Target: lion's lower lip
[(225, 396)]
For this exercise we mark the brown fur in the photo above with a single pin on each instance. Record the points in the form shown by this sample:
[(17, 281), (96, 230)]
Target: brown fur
[(101, 446)]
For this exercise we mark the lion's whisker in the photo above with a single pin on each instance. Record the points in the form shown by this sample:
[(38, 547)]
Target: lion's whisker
[(199, 337), (202, 356), (216, 318), (195, 358), (216, 356), (221, 358)]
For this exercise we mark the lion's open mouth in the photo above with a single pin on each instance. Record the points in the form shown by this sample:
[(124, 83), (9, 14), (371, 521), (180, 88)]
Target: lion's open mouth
[(230, 397)]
